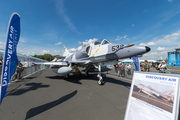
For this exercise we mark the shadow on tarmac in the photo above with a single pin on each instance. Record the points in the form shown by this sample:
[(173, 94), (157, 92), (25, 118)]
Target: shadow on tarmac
[(37, 110), (73, 79), (33, 86), (119, 82)]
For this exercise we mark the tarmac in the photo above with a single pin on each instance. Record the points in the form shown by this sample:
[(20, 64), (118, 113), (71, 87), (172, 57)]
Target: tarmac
[(47, 96)]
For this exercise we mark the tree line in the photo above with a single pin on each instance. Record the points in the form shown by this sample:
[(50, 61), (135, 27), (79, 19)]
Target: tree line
[(47, 57)]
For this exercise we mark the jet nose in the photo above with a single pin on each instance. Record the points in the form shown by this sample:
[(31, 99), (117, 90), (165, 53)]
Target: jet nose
[(147, 48)]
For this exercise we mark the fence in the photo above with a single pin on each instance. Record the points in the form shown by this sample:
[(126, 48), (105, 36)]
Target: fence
[(30, 70)]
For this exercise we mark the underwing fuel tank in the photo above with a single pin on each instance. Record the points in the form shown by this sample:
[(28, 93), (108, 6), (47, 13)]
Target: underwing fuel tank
[(63, 70)]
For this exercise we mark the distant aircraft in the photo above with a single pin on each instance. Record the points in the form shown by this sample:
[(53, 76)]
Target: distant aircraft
[(96, 55), (166, 95)]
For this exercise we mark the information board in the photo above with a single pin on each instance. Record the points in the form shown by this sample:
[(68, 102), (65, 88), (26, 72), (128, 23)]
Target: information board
[(153, 96)]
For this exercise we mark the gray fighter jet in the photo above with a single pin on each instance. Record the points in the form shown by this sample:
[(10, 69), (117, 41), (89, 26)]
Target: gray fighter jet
[(96, 55), (166, 95)]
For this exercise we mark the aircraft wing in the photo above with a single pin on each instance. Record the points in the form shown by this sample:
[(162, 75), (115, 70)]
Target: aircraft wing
[(82, 61), (52, 63)]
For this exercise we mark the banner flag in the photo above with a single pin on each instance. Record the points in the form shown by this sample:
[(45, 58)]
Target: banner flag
[(10, 61), (136, 63)]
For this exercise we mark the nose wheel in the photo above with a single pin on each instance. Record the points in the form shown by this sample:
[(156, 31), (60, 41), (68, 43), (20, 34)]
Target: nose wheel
[(100, 82), (66, 76)]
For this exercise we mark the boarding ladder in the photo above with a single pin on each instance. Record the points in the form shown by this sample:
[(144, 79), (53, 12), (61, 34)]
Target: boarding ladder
[(78, 72)]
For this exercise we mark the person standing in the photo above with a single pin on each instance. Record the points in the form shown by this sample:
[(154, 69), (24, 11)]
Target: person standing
[(128, 69), (146, 66), (172, 64), (141, 67), (115, 69), (19, 69), (162, 67), (119, 70), (123, 69), (1, 65)]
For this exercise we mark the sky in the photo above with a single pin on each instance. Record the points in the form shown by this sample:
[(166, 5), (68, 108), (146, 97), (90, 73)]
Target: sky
[(47, 25)]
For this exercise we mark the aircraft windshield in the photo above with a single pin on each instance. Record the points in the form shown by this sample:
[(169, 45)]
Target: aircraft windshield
[(103, 42), (97, 43)]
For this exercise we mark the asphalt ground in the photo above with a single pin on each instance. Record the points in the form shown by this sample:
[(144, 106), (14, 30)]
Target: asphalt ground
[(47, 96)]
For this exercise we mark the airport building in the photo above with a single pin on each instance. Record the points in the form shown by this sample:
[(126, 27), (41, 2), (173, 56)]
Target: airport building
[(174, 58)]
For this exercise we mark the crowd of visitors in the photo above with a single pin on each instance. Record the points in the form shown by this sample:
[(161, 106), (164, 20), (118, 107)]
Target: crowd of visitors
[(122, 69)]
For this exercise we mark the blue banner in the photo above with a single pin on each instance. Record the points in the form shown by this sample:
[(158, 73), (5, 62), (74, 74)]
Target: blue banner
[(10, 61), (136, 63), (174, 58)]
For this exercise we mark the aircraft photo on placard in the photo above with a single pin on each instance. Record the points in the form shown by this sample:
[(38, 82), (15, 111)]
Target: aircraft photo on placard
[(151, 93)]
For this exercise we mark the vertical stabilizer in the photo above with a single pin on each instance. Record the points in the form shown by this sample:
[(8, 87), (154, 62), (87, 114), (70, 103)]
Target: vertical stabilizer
[(66, 52)]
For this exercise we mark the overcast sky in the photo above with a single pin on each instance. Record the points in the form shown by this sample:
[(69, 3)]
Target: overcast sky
[(47, 25)]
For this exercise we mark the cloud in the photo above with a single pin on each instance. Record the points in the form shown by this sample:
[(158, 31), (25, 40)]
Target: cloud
[(161, 48), (88, 41), (125, 36), (45, 52), (72, 50), (2, 45), (61, 10), (148, 44), (172, 39), (118, 38), (22, 39), (56, 51), (133, 25), (58, 43), (169, 0)]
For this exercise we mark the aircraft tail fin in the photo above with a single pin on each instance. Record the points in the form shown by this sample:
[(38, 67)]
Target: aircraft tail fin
[(168, 93), (54, 60), (66, 52)]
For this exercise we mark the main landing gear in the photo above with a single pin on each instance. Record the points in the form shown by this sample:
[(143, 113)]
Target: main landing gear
[(100, 82), (66, 76), (86, 71)]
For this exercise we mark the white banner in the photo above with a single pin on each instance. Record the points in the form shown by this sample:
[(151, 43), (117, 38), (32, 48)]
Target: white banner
[(153, 96)]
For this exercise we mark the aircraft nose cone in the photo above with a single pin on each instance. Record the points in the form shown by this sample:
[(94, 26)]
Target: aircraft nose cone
[(147, 48)]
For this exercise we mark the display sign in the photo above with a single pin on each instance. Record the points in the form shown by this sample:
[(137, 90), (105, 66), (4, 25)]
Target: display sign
[(174, 58), (10, 55), (153, 96)]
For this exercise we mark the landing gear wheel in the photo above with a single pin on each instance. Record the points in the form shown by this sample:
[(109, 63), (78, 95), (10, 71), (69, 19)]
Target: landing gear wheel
[(100, 82), (87, 74), (66, 76)]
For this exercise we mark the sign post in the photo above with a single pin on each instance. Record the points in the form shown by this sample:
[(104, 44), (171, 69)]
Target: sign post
[(136, 63), (153, 96)]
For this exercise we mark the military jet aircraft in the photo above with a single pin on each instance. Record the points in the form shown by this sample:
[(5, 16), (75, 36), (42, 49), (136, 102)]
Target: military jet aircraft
[(96, 55), (166, 95)]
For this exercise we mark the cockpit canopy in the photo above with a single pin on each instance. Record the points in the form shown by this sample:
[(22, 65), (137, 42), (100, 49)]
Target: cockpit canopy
[(102, 42)]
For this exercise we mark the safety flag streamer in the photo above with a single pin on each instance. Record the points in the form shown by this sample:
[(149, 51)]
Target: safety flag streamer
[(136, 63), (10, 61)]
